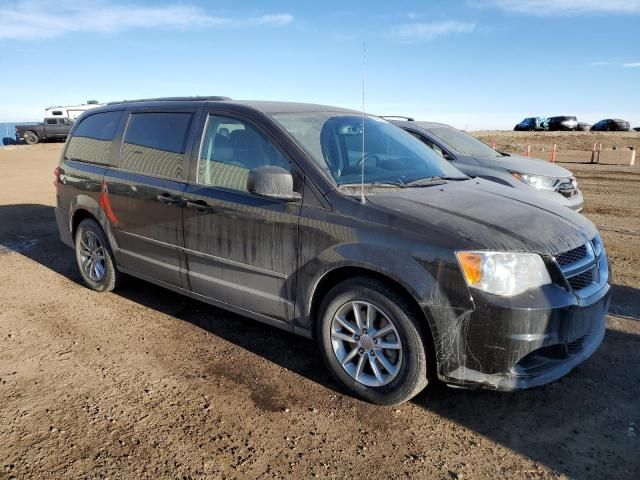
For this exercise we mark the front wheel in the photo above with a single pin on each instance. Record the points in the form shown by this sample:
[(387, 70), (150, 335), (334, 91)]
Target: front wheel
[(372, 342), (95, 260), (31, 138)]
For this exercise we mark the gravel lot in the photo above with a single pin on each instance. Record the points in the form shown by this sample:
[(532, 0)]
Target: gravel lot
[(144, 383)]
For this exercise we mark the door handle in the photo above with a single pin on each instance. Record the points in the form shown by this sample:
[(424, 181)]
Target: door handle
[(169, 199), (200, 205)]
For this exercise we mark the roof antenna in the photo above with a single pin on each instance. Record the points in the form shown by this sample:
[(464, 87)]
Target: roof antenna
[(364, 66)]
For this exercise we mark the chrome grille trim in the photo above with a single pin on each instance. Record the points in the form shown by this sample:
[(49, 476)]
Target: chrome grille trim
[(584, 271), (567, 187)]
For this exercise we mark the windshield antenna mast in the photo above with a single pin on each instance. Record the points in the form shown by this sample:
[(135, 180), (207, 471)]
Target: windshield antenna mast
[(364, 67)]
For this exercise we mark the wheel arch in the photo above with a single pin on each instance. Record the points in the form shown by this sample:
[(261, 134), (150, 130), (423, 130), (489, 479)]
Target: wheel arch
[(402, 273), (83, 207), (343, 272), (78, 216)]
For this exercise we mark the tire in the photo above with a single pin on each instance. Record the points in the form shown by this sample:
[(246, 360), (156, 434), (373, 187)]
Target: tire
[(30, 138), (408, 374), (90, 238)]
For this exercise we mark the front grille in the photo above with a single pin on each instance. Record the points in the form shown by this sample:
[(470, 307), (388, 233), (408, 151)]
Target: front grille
[(572, 256), (584, 268), (581, 280)]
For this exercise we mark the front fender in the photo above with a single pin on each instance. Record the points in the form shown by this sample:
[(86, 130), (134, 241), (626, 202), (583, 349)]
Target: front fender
[(395, 265)]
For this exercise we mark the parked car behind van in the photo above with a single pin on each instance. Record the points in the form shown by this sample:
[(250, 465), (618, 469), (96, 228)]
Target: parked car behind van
[(476, 159), (531, 124), (611, 125), (402, 268), (568, 123)]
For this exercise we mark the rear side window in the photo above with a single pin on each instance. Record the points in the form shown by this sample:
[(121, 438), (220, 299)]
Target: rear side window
[(155, 143), (91, 141)]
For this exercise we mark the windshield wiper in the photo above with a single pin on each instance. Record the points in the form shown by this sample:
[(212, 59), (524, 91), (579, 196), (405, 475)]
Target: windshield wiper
[(376, 184), (426, 182)]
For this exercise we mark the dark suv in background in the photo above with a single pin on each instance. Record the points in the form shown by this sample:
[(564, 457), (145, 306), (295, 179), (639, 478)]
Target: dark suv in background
[(611, 125), (402, 268), (567, 123)]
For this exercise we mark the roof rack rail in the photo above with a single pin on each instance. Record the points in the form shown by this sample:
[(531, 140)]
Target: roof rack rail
[(408, 119), (173, 99)]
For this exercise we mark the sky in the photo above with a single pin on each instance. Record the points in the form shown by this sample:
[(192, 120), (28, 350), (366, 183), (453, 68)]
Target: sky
[(475, 64)]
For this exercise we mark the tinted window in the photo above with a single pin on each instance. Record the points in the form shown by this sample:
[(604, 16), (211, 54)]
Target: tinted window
[(57, 112), (101, 126), (51, 121), (91, 141), (154, 143), (230, 149)]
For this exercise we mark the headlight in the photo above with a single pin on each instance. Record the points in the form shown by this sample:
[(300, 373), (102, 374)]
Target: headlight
[(502, 273), (537, 181)]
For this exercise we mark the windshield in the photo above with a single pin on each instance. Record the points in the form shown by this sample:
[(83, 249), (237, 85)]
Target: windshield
[(463, 142), (334, 142)]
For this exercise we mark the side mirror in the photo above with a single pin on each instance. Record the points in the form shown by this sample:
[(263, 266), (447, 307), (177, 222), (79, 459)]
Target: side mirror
[(272, 182)]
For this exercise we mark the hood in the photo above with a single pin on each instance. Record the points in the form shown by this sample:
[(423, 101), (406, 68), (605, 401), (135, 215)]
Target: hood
[(517, 163), (479, 214)]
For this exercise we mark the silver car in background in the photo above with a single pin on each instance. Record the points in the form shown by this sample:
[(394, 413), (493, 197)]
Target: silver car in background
[(476, 159)]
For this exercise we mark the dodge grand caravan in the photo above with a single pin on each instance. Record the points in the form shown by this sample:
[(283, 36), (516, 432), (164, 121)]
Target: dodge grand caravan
[(401, 268)]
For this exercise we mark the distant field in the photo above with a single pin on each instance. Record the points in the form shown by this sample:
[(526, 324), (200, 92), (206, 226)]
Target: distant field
[(517, 141)]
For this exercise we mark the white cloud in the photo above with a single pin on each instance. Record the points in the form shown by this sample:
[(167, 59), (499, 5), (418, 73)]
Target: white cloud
[(414, 32), (564, 7), (625, 65), (30, 19)]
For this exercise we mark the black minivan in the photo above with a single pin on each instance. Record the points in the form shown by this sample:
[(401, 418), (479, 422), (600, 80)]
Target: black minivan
[(340, 227)]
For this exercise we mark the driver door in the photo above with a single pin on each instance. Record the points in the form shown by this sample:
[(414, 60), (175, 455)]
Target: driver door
[(241, 248)]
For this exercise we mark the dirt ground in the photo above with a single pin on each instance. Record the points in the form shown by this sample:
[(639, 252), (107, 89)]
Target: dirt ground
[(144, 383), (509, 141)]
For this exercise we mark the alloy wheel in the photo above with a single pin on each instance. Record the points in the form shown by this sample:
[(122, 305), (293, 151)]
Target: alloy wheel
[(92, 256), (366, 343)]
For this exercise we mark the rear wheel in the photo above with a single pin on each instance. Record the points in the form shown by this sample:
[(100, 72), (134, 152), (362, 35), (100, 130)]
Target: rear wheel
[(372, 342), (94, 257), (31, 138)]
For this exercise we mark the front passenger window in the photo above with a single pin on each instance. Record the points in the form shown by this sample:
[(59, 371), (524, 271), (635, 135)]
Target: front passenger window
[(230, 149)]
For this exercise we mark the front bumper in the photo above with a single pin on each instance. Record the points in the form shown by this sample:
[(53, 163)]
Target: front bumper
[(576, 202), (507, 346)]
